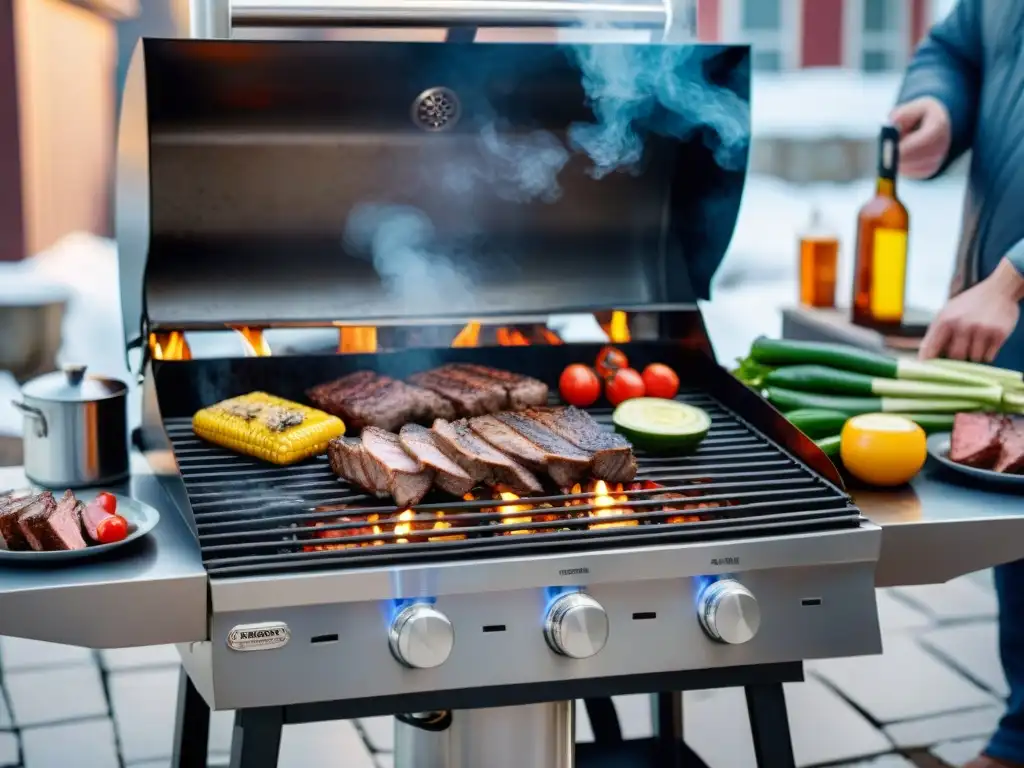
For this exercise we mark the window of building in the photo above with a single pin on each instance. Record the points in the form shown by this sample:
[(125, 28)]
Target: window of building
[(878, 35), (767, 26)]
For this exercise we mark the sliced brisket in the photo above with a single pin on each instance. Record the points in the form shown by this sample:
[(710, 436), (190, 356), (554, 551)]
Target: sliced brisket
[(1011, 448), (614, 460), (522, 391), (471, 395), (422, 444), (377, 463), (563, 469), (561, 457), (481, 461), (53, 526), (366, 399), (975, 439), (10, 510)]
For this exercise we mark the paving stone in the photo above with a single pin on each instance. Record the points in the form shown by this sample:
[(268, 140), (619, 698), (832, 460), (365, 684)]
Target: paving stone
[(121, 659), (17, 653), (956, 753), (974, 650), (86, 744), (323, 744), (584, 733), (928, 731), (634, 713), (379, 733), (904, 683), (895, 615), (9, 754), (144, 706), (39, 697), (957, 600), (825, 728)]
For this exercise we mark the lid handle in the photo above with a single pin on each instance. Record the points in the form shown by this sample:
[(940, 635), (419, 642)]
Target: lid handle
[(75, 373)]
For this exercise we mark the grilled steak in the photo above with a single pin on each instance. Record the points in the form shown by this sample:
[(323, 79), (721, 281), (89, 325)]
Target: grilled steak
[(11, 508), (53, 526), (564, 470), (613, 455), (1011, 448), (422, 444), (366, 399), (560, 456), (482, 462), (472, 396), (522, 391), (377, 463), (975, 439)]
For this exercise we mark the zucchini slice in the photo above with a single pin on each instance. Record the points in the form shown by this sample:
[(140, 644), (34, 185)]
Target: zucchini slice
[(661, 426)]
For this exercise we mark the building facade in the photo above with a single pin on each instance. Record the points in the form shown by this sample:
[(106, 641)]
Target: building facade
[(868, 35)]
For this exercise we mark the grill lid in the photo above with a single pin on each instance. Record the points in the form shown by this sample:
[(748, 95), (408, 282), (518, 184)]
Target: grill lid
[(274, 183)]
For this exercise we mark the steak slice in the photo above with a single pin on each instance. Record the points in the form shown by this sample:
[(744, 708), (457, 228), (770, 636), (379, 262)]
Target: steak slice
[(10, 510), (368, 399), (564, 470), (53, 526), (614, 460), (377, 463), (522, 391), (472, 396), (481, 461), (1011, 448), (568, 461), (975, 439), (422, 444)]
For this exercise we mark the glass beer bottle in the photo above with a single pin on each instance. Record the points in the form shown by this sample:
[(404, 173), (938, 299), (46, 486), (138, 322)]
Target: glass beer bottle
[(819, 261), (880, 273)]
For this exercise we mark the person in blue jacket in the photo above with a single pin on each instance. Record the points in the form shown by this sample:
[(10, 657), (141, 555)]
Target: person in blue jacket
[(964, 90)]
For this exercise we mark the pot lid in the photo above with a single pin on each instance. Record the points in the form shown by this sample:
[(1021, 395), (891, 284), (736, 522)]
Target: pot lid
[(70, 384)]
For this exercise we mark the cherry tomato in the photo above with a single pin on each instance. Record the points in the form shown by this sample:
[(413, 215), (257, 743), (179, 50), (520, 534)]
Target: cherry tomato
[(111, 529), (660, 381), (610, 360), (108, 501), (625, 384), (579, 385)]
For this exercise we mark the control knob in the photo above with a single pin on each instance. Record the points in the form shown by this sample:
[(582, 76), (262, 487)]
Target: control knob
[(576, 626), (421, 636), (729, 612)]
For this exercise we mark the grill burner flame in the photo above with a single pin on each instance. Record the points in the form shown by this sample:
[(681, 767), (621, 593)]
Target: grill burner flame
[(169, 346), (357, 339), (253, 342)]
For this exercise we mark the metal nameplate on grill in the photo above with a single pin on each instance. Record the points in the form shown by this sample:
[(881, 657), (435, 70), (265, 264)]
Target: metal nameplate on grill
[(259, 637)]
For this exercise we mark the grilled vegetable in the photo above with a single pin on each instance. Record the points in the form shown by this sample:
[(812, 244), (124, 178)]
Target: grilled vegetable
[(816, 423), (830, 445), (775, 352), (578, 385), (108, 501), (882, 449), (660, 381), (625, 384), (791, 400), (832, 381), (267, 427), (658, 425), (610, 360)]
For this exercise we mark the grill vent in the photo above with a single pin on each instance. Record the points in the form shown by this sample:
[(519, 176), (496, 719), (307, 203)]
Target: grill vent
[(436, 109)]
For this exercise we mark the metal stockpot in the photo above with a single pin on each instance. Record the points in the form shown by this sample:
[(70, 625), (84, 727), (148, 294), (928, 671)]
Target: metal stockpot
[(76, 429)]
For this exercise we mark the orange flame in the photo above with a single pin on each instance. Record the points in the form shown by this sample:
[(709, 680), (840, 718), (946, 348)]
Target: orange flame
[(357, 339), (510, 337), (514, 509), (550, 337), (253, 342), (606, 507), (169, 346), (469, 336)]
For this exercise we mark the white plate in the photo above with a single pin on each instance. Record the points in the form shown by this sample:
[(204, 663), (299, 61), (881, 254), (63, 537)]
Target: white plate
[(938, 447), (141, 519)]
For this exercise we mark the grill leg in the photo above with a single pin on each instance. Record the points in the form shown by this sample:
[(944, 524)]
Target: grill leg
[(256, 739), (191, 726), (769, 726)]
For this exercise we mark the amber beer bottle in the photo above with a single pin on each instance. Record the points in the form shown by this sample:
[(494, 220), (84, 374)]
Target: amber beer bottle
[(819, 262), (880, 273)]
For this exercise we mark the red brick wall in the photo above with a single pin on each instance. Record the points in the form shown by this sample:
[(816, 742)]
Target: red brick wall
[(709, 20), (822, 34)]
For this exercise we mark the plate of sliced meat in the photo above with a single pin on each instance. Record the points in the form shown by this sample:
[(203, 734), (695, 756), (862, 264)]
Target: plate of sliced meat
[(987, 446), (38, 525)]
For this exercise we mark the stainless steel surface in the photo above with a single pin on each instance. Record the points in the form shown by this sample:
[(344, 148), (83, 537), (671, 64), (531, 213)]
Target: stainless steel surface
[(531, 736), (76, 429), (151, 593), (729, 612), (938, 449), (421, 637), (31, 335), (235, 191), (576, 626)]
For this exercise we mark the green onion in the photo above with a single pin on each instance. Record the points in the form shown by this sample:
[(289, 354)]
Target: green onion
[(1002, 376), (791, 400)]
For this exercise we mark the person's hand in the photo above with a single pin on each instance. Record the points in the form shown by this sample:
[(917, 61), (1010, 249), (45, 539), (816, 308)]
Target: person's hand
[(925, 136), (975, 324)]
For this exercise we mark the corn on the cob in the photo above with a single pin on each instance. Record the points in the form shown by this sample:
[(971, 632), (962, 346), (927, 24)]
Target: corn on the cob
[(267, 427)]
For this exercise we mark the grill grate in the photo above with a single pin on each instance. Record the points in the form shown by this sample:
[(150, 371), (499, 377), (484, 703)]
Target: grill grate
[(254, 519)]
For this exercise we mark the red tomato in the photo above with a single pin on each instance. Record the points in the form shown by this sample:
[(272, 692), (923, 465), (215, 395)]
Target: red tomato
[(579, 386), (610, 360), (660, 381), (624, 385), (111, 529), (108, 501)]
